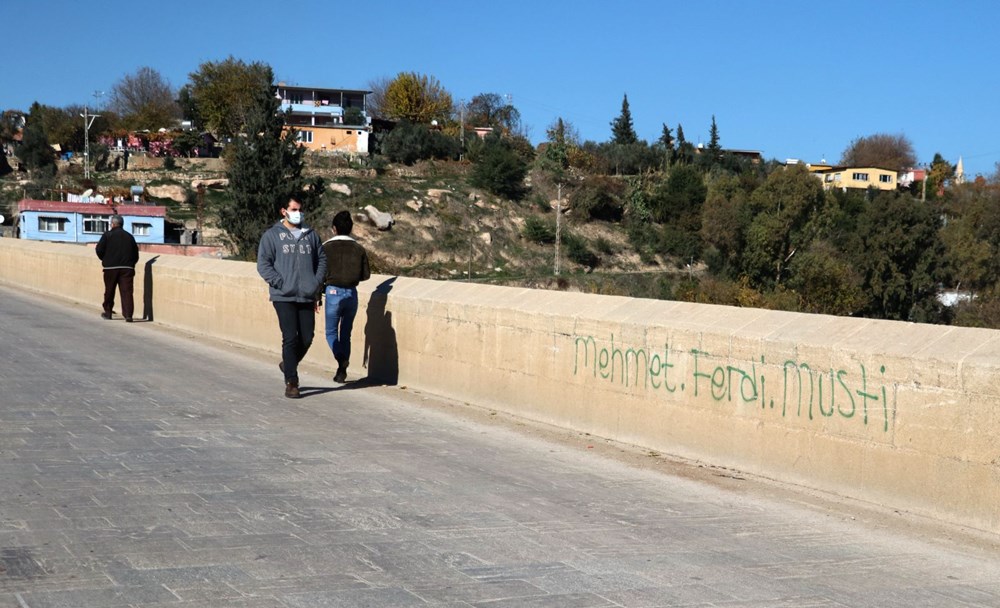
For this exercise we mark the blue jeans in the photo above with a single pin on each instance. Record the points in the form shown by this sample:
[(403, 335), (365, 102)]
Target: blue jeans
[(341, 308)]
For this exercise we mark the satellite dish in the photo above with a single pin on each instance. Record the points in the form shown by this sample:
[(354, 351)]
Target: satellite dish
[(87, 192), (1, 219), (99, 198)]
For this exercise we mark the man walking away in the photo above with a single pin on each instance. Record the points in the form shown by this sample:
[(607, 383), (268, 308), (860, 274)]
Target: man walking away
[(291, 259), (119, 254), (347, 265)]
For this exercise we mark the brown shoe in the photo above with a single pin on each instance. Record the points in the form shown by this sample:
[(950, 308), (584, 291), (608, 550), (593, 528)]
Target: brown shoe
[(292, 390)]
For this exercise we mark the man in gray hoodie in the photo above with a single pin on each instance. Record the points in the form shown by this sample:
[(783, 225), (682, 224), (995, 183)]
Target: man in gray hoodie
[(291, 259)]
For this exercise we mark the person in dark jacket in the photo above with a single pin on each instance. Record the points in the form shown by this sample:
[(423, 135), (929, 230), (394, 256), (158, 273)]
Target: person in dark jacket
[(291, 259), (119, 254), (346, 266)]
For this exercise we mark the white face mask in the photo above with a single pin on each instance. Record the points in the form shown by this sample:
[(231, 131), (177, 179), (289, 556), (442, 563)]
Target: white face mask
[(294, 217)]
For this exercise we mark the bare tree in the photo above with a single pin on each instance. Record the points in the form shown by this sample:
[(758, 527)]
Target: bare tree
[(881, 150), (145, 100), (375, 105)]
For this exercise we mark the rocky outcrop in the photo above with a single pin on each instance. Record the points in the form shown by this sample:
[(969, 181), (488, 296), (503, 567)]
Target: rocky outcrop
[(210, 183), (170, 191)]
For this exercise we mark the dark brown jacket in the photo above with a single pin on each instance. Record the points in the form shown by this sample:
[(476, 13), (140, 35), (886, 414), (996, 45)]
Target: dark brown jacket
[(346, 262)]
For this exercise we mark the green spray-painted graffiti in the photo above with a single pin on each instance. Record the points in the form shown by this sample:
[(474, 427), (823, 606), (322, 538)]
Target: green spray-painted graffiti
[(804, 391)]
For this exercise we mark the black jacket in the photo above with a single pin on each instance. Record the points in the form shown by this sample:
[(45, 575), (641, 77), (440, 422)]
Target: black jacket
[(117, 249)]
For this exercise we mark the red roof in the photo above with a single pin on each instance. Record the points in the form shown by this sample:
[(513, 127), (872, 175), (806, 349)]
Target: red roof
[(92, 208)]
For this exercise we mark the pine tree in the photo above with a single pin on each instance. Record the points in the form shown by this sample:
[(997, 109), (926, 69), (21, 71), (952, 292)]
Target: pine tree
[(685, 151), (622, 131), (265, 172), (667, 143), (713, 142)]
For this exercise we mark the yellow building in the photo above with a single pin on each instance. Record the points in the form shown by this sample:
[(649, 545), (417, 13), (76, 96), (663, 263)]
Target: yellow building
[(858, 177), (331, 120)]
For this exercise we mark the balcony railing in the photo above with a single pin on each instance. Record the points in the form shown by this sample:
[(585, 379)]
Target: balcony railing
[(312, 108)]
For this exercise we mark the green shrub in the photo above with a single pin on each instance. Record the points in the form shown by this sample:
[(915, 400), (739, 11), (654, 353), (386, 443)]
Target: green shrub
[(598, 198), (538, 230), (604, 246), (408, 143), (500, 170), (577, 251)]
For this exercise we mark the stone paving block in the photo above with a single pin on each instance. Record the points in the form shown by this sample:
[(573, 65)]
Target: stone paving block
[(146, 469)]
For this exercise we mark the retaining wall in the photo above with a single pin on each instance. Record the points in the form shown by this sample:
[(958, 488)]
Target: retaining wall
[(904, 415)]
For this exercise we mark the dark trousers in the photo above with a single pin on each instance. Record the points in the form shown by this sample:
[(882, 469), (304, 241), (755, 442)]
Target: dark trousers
[(122, 279), (297, 321)]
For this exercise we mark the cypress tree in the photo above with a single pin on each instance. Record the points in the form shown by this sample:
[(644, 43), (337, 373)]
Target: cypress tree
[(622, 131)]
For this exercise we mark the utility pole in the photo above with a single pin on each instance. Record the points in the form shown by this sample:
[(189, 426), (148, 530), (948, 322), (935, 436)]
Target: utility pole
[(461, 127), (88, 120), (558, 224), (472, 241)]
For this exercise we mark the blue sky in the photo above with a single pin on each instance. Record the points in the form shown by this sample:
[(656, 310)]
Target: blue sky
[(790, 78)]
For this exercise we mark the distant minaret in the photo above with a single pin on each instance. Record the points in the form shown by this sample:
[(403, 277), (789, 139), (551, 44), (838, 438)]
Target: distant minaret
[(959, 172)]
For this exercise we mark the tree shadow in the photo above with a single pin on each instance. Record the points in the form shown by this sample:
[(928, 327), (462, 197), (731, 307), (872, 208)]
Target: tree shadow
[(381, 351)]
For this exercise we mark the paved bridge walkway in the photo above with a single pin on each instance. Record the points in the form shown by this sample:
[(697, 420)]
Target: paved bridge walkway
[(143, 468)]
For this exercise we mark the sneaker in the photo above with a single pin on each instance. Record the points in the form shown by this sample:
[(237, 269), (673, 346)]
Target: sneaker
[(128, 319), (341, 375), (292, 390), (106, 315)]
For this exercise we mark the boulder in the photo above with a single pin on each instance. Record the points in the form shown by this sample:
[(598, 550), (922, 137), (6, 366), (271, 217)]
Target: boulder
[(381, 219), (563, 206), (416, 204), (437, 193), (341, 188)]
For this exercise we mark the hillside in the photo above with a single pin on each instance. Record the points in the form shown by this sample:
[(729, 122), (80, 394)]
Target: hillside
[(444, 228)]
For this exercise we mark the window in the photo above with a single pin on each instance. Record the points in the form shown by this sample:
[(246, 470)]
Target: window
[(885, 179), (859, 177), (96, 224), (139, 229), (51, 224), (305, 137), (295, 97)]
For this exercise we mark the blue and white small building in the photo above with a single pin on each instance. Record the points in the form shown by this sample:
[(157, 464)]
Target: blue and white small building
[(85, 222)]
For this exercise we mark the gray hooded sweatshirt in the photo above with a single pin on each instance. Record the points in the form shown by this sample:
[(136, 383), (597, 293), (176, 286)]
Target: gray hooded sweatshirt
[(293, 268)]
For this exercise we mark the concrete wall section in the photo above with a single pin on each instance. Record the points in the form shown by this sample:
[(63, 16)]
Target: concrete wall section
[(900, 414)]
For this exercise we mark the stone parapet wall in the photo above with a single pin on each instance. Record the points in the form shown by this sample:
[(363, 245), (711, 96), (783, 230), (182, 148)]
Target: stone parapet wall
[(899, 414)]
